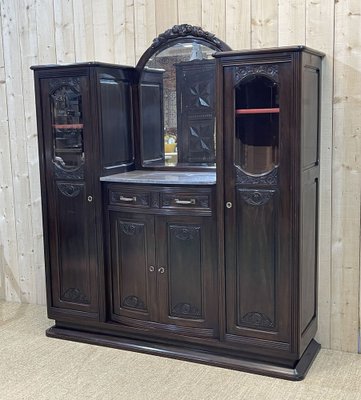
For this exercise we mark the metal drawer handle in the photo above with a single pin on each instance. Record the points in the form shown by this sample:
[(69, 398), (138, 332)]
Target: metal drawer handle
[(191, 201), (161, 270), (129, 199)]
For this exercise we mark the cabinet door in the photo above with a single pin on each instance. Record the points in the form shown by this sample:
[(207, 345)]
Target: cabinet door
[(71, 235), (257, 187), (186, 260), (133, 272)]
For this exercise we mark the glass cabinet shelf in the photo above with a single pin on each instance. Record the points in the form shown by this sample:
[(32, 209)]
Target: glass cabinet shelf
[(68, 126), (273, 110)]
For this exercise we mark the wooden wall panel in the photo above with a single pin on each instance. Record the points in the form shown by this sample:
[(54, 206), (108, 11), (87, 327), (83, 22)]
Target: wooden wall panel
[(238, 24), (320, 35), (48, 31), (346, 177), (264, 23)]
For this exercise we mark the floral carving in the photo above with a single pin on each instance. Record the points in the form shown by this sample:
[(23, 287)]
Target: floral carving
[(269, 70), (57, 83), (185, 30)]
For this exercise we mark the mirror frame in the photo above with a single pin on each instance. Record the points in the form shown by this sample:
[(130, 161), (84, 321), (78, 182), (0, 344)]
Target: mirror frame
[(184, 33)]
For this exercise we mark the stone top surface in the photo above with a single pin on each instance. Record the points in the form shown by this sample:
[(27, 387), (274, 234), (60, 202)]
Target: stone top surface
[(163, 177)]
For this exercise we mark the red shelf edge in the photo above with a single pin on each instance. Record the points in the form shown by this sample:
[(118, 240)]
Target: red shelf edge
[(68, 126), (258, 110)]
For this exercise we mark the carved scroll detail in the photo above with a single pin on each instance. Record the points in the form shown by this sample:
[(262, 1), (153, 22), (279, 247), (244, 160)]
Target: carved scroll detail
[(186, 310), (185, 232), (73, 82), (268, 179), (268, 70), (75, 295), (134, 302), (257, 319), (256, 198), (129, 228), (69, 190)]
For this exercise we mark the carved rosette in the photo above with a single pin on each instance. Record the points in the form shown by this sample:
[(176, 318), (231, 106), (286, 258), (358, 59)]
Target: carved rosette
[(155, 200), (69, 190), (186, 310), (268, 70), (256, 197), (75, 295), (267, 179), (185, 30), (134, 302), (185, 232), (257, 319)]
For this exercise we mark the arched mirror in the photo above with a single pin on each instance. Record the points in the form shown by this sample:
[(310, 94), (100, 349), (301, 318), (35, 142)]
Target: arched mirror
[(177, 99)]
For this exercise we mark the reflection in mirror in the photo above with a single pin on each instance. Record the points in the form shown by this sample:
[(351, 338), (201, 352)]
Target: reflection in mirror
[(177, 106)]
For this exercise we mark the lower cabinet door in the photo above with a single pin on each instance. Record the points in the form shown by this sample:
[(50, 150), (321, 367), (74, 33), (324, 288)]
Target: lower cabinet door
[(186, 273), (133, 270)]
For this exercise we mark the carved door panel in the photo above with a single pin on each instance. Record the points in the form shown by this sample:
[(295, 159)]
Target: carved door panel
[(195, 104), (257, 217), (187, 290), (71, 212), (133, 271)]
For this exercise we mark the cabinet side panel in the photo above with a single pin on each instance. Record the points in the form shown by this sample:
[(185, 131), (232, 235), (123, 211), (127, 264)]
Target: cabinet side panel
[(257, 243), (115, 121), (308, 253), (310, 100)]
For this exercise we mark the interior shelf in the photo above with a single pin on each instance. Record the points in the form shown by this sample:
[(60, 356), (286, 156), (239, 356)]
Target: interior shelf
[(273, 110), (68, 126)]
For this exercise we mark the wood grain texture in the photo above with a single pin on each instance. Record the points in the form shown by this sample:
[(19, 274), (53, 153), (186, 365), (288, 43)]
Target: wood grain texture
[(78, 30), (214, 17), (166, 14), (144, 20), (190, 12), (291, 22), (320, 35), (264, 23), (238, 24), (346, 177)]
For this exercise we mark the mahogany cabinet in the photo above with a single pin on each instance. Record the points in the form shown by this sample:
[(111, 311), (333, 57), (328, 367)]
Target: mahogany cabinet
[(211, 257)]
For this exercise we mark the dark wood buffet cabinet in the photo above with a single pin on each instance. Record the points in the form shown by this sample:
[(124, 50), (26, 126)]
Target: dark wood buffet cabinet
[(180, 202)]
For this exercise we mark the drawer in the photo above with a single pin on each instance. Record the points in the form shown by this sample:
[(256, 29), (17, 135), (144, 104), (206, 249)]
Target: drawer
[(194, 199), (129, 197)]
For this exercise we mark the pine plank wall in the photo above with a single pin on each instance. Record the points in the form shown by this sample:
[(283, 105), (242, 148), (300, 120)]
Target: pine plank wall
[(66, 31)]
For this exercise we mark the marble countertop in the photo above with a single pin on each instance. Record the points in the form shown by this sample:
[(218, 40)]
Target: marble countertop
[(163, 177)]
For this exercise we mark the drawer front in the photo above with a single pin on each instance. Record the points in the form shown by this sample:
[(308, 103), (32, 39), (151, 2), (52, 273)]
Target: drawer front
[(128, 197), (185, 200)]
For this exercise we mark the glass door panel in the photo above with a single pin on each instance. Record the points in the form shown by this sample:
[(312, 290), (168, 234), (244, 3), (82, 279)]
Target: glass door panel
[(67, 126), (257, 124)]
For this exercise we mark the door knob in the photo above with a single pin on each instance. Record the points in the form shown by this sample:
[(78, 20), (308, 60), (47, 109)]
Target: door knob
[(161, 270), (151, 268), (90, 199), (229, 204)]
